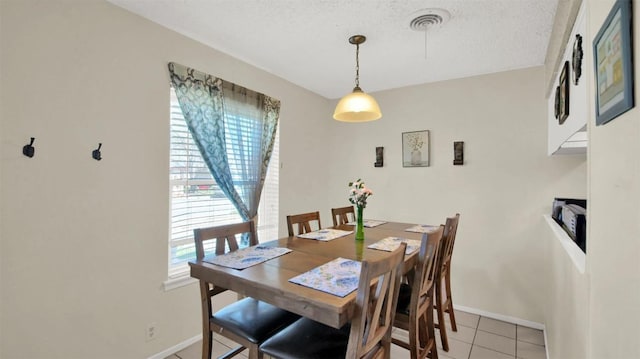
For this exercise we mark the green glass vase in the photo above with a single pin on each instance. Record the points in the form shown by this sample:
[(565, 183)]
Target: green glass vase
[(359, 225)]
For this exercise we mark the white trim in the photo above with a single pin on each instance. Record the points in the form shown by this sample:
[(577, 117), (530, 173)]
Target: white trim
[(504, 318), (173, 283), (176, 348), (573, 251), (546, 347)]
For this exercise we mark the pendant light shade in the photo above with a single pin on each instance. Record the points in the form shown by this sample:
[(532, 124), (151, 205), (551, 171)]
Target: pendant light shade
[(357, 106)]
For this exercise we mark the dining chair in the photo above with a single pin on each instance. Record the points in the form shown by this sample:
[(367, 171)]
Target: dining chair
[(343, 215), (444, 279), (368, 335), (414, 312), (248, 321), (303, 222)]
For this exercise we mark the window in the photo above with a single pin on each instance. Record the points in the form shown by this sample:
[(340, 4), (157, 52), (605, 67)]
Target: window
[(196, 199)]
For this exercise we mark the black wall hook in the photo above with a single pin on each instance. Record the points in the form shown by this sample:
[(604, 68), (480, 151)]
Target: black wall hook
[(29, 150), (96, 153)]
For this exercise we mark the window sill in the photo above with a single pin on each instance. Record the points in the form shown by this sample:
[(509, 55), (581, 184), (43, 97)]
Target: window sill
[(575, 253), (178, 282)]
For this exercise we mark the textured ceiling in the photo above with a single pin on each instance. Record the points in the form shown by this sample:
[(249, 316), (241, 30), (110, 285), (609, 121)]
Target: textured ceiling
[(306, 42)]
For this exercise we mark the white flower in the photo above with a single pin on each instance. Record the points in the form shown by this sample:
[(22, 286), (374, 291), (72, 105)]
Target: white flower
[(359, 193)]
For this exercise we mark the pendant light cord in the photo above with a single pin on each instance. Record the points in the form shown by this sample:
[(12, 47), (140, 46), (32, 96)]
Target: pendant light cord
[(425, 42), (358, 65)]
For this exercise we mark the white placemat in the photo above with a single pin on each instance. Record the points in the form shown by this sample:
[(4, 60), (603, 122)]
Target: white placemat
[(338, 277), (247, 257), (422, 228), (389, 244), (369, 223), (325, 234)]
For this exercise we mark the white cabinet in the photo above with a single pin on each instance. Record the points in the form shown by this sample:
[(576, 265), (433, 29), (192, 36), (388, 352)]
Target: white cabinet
[(570, 137)]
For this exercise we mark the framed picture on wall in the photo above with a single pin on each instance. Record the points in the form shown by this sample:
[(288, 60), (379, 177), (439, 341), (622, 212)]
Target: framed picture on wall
[(576, 59), (556, 105), (563, 106), (415, 149), (612, 51)]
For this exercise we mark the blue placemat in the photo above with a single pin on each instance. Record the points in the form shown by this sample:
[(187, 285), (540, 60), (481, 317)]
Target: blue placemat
[(247, 257), (325, 234), (422, 228), (389, 244), (369, 223), (338, 277)]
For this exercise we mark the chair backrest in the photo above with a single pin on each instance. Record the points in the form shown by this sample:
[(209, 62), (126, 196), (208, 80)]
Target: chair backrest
[(376, 302), (224, 236), (426, 271), (341, 215), (449, 238), (303, 222)]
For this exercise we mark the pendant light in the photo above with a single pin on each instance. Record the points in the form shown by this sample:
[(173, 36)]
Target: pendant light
[(357, 106)]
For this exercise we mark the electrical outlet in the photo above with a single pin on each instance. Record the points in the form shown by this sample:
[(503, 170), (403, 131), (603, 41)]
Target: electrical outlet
[(152, 332)]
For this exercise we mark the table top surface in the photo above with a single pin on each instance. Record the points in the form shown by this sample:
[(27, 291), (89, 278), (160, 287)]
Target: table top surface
[(269, 281)]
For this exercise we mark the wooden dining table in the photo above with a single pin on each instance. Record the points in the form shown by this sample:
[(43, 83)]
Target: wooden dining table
[(269, 281)]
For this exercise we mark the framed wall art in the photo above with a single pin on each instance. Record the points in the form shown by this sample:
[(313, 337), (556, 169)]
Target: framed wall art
[(458, 153), (613, 65), (556, 104), (576, 59), (415, 149), (563, 106)]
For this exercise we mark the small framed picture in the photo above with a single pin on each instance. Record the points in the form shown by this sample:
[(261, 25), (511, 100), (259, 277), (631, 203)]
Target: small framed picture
[(556, 106), (563, 110), (415, 149), (576, 59), (612, 49)]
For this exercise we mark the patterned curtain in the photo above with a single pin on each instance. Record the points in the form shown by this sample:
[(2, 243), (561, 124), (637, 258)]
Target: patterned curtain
[(234, 129)]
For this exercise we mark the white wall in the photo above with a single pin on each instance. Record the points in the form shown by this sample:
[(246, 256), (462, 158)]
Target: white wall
[(501, 192), (614, 218), (84, 243), (566, 300), (578, 99)]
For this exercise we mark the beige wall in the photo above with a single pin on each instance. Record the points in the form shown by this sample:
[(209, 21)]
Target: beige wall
[(505, 186), (84, 243), (614, 219)]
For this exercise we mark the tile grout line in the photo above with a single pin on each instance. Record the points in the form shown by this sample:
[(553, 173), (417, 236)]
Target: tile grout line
[(516, 340), (475, 333)]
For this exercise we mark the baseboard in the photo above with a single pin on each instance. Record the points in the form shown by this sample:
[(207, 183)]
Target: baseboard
[(176, 348), (504, 318), (546, 347)]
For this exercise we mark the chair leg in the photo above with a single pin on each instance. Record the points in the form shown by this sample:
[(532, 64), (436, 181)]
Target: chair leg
[(207, 342), (255, 353), (430, 343), (449, 307), (415, 339), (440, 311)]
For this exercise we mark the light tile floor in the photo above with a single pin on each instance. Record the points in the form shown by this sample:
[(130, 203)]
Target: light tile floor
[(477, 338)]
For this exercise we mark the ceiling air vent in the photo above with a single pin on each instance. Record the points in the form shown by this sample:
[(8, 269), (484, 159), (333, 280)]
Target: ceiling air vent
[(423, 19)]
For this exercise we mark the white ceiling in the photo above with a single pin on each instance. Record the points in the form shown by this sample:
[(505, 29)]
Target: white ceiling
[(306, 41)]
